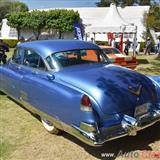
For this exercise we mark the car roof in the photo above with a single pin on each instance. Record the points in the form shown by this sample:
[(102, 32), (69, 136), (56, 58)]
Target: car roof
[(46, 47)]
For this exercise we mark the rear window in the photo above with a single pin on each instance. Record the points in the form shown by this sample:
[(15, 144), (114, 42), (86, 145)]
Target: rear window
[(77, 57)]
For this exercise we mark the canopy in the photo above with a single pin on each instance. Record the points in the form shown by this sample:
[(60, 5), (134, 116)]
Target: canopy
[(113, 22)]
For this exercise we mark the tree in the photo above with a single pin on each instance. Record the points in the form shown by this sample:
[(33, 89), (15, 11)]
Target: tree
[(36, 21), (52, 19), (62, 20), (17, 20), (8, 6), (17, 6), (151, 19), (106, 3), (144, 2), (4, 8)]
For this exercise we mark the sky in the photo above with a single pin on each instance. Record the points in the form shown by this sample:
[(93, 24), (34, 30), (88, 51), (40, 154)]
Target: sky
[(37, 4)]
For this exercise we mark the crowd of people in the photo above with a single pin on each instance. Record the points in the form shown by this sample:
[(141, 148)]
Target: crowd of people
[(135, 46)]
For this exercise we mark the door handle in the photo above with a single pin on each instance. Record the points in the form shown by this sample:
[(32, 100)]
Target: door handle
[(51, 77)]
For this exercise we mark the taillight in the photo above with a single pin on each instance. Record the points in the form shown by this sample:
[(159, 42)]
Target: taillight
[(86, 104)]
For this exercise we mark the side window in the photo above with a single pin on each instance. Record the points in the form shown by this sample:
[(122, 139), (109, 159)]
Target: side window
[(17, 56), (32, 59)]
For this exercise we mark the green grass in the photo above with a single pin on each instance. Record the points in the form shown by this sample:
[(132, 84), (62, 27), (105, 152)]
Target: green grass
[(6, 146), (149, 65), (5, 149), (16, 127), (22, 136), (10, 53)]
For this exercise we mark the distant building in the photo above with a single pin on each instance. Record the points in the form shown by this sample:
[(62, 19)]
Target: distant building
[(90, 17)]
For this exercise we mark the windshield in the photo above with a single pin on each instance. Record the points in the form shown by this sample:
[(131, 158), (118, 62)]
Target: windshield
[(111, 50), (76, 57)]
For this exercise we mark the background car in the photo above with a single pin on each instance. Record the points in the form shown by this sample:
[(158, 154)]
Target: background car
[(116, 57), (71, 86)]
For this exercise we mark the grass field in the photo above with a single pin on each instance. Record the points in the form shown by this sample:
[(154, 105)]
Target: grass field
[(23, 137), (149, 65)]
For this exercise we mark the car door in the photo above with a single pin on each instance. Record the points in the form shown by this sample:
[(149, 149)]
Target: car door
[(36, 89), (33, 71), (12, 74)]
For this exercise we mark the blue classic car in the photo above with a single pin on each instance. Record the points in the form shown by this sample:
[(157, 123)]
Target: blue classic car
[(72, 86)]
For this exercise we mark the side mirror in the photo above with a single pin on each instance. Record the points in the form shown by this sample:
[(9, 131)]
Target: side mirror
[(51, 77)]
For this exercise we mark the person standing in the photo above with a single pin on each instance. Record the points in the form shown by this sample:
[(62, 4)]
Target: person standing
[(148, 46), (157, 46), (135, 46), (113, 42), (127, 46), (92, 40), (3, 48)]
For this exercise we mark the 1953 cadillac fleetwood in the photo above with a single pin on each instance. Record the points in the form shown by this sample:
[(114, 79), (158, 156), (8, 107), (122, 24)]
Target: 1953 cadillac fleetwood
[(72, 87)]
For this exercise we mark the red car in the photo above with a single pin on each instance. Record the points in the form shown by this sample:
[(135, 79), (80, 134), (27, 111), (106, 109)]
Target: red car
[(116, 57)]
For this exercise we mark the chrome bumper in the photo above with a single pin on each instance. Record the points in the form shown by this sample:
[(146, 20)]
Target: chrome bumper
[(129, 126)]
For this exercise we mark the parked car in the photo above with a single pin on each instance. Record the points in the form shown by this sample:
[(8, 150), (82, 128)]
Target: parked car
[(116, 57), (73, 88)]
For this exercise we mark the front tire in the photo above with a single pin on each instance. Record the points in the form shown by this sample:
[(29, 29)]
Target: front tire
[(49, 126)]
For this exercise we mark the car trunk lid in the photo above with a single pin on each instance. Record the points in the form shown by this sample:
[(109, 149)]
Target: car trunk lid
[(114, 88)]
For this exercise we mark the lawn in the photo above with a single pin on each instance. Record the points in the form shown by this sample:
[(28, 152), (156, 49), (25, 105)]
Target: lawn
[(23, 137), (149, 65)]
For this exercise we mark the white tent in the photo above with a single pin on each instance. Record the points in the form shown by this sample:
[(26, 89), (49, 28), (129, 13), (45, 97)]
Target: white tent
[(113, 23)]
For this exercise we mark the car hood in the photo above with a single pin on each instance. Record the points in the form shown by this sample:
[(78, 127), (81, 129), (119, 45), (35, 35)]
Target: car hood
[(111, 86)]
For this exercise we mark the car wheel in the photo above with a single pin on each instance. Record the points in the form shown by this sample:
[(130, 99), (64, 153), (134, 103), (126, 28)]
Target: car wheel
[(49, 126)]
